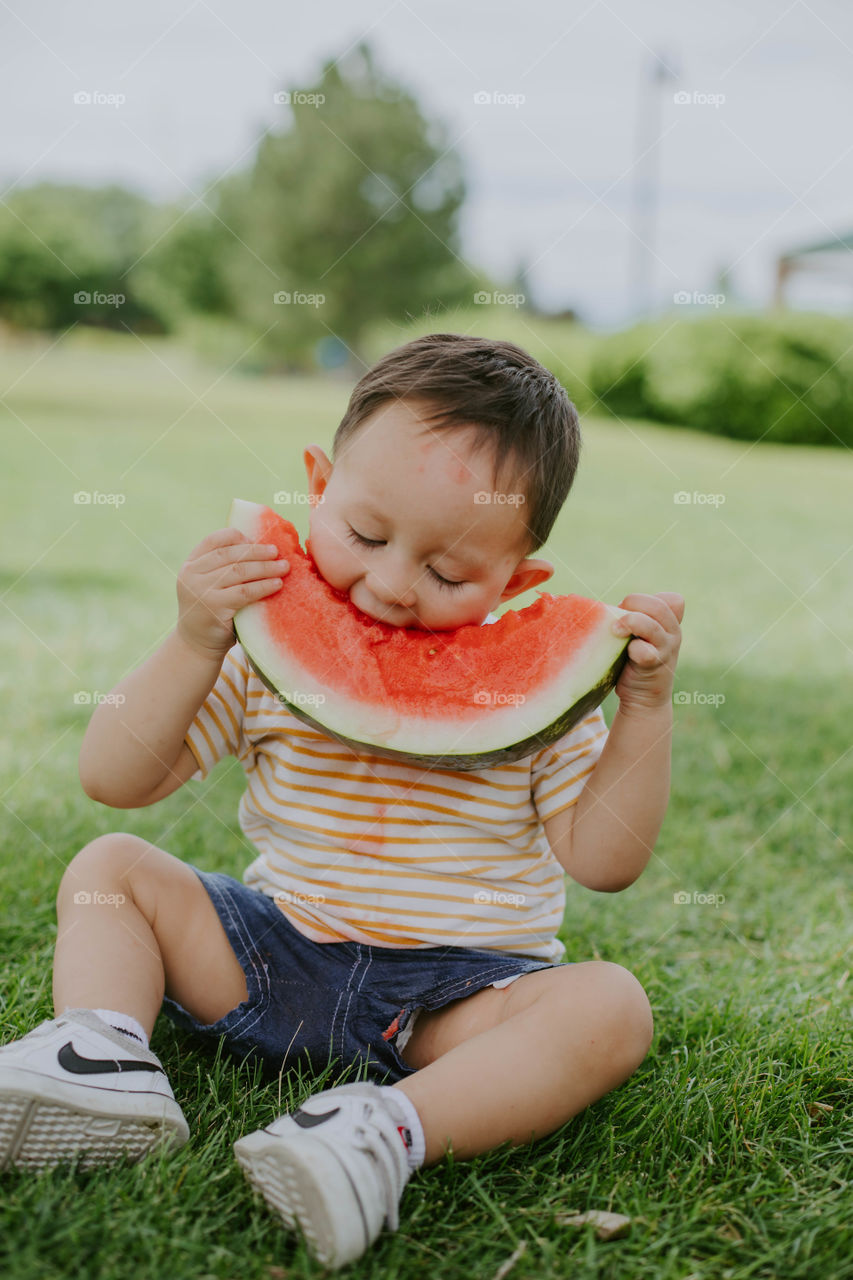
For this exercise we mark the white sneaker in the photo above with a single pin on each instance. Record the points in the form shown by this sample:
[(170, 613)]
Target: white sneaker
[(336, 1167), (75, 1085)]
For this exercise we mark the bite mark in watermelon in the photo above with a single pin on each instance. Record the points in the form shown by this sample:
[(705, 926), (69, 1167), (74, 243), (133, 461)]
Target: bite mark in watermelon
[(465, 699)]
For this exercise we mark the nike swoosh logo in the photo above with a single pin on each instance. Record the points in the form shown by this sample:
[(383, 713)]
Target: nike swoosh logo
[(307, 1119), (71, 1060)]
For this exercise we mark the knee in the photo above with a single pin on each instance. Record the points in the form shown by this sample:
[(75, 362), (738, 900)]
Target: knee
[(99, 863), (630, 1011), (611, 1002)]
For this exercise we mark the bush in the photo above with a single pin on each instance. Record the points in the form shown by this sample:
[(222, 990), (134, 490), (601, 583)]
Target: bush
[(785, 377), (68, 256)]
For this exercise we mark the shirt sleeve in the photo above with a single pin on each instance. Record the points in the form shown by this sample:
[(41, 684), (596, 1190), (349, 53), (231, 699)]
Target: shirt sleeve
[(217, 729), (558, 773)]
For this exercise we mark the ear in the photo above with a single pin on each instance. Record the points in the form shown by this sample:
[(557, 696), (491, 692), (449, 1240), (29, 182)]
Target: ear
[(318, 469), (528, 574)]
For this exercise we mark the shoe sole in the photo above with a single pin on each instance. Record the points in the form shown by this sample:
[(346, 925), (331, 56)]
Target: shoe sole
[(45, 1122), (306, 1190)]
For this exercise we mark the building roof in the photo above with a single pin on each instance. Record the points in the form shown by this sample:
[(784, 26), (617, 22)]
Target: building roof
[(836, 244)]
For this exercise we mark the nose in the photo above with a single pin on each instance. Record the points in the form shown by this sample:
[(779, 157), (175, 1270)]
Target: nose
[(391, 585)]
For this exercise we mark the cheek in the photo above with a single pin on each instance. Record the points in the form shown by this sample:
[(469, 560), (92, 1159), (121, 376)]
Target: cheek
[(446, 610), (333, 556)]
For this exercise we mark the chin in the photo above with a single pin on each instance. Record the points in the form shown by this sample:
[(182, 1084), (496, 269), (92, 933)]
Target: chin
[(375, 617), (417, 624)]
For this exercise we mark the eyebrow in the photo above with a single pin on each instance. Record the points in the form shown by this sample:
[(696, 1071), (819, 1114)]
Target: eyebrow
[(468, 563)]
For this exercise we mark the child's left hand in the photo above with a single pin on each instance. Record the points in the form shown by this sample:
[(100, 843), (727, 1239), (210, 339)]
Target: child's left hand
[(654, 622)]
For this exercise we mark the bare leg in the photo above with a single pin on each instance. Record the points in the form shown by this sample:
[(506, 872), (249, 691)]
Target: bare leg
[(133, 923), (514, 1064)]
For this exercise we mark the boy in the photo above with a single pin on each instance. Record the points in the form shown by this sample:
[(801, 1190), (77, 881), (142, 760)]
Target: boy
[(401, 918)]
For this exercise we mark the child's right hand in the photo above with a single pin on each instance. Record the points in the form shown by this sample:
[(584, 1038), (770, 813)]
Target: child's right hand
[(223, 573)]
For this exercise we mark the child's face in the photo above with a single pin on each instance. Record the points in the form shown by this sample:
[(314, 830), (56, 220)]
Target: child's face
[(400, 522)]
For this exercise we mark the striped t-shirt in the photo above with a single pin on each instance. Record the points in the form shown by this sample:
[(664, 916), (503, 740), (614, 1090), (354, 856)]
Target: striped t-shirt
[(362, 847)]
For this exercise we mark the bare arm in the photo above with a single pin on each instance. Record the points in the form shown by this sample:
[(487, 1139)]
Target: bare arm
[(133, 750), (135, 737), (605, 840)]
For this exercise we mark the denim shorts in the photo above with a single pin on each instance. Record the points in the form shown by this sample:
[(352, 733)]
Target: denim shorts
[(313, 1003)]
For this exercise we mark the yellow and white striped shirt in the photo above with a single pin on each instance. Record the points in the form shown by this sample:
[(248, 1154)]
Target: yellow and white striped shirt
[(361, 847)]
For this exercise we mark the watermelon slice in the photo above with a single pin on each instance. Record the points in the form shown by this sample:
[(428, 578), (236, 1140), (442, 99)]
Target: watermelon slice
[(465, 699)]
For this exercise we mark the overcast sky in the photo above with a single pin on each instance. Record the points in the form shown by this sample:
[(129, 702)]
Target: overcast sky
[(757, 159)]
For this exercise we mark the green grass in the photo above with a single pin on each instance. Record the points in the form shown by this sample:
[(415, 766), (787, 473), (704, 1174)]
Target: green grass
[(710, 1147)]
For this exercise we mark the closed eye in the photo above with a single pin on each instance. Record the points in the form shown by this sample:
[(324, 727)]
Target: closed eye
[(354, 536), (364, 542), (445, 582)]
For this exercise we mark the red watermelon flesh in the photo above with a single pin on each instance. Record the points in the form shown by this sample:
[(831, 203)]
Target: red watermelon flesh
[(463, 699)]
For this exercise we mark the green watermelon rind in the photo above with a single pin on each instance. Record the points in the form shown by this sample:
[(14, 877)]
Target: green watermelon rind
[(444, 730), (464, 762)]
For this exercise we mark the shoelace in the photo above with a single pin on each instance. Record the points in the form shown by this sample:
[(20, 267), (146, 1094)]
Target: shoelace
[(371, 1139)]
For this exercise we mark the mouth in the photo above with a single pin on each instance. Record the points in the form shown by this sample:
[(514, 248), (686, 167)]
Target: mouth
[(410, 622)]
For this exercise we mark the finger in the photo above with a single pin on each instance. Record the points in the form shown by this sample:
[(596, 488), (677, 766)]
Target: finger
[(643, 654), (233, 574), (234, 553), (219, 538), (237, 597), (642, 625), (655, 606), (675, 602)]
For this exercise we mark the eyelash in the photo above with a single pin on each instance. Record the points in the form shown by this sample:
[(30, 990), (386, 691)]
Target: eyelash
[(371, 542)]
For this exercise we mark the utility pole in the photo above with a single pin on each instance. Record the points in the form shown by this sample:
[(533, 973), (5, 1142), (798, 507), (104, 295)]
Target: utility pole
[(655, 74)]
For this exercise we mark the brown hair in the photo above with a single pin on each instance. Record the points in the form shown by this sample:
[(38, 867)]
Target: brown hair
[(496, 388)]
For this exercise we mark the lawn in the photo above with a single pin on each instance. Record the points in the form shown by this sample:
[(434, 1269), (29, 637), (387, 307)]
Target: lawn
[(731, 1148)]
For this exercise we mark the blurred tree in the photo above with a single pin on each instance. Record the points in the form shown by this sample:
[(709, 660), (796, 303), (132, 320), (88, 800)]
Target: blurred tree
[(183, 269), (348, 215), (61, 245)]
